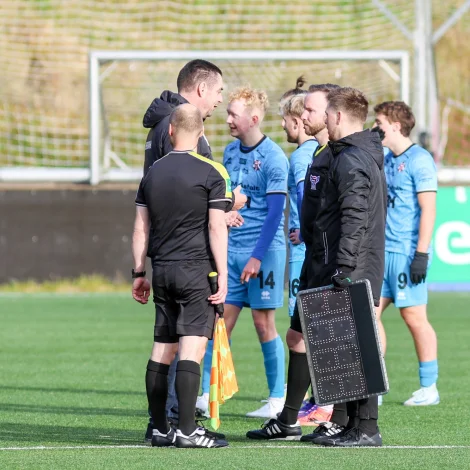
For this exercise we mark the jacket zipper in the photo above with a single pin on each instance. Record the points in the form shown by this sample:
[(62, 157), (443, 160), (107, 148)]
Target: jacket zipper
[(325, 246)]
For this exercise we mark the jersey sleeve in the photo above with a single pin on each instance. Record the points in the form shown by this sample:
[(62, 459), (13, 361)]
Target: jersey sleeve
[(277, 173), (219, 188), (299, 165), (140, 196), (424, 173)]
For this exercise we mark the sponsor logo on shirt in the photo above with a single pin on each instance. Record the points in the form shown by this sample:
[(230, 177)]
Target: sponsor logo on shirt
[(242, 161), (265, 295), (257, 165), (314, 180), (148, 145)]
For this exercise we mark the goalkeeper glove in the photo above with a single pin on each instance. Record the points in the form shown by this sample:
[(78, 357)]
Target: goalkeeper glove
[(341, 278), (418, 267)]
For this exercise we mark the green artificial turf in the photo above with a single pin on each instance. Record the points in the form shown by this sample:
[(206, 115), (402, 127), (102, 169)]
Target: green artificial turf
[(72, 375)]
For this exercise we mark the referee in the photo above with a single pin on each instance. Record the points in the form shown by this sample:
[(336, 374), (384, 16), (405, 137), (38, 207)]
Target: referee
[(183, 197)]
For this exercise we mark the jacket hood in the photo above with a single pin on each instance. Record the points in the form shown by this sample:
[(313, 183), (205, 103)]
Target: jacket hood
[(365, 140), (162, 107)]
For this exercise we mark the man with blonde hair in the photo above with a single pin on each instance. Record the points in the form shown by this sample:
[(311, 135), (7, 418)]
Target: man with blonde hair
[(257, 249)]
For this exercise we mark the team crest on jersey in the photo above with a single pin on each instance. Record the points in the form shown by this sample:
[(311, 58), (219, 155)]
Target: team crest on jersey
[(314, 180), (401, 166), (257, 165)]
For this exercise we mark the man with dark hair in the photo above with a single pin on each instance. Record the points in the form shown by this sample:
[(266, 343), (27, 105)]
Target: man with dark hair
[(412, 186), (189, 240), (312, 275), (199, 83), (342, 224)]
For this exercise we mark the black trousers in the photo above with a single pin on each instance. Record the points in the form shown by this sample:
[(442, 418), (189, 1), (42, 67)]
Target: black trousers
[(367, 408)]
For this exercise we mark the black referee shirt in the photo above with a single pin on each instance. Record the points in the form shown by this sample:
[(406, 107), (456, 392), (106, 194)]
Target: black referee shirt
[(178, 191)]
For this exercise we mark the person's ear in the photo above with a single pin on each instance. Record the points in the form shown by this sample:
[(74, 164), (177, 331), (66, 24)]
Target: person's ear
[(254, 120), (202, 88), (297, 122), (338, 117), (170, 130)]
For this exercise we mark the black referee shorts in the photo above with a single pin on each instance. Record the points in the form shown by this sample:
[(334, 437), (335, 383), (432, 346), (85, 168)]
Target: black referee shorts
[(180, 292)]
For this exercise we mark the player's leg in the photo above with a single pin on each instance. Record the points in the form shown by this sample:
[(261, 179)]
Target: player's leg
[(412, 299), (163, 353), (188, 375), (298, 381), (195, 324), (266, 293), (156, 382), (384, 303), (387, 296), (237, 294), (425, 341)]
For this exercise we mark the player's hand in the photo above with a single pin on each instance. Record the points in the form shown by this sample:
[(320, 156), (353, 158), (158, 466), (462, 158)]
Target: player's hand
[(342, 277), (239, 198), (219, 296), (141, 290), (294, 237), (234, 219), (250, 270), (419, 267)]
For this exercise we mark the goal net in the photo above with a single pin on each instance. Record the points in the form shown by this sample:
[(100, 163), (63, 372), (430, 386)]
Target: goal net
[(123, 84)]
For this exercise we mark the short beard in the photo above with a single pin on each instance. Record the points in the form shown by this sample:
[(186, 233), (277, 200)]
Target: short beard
[(313, 131)]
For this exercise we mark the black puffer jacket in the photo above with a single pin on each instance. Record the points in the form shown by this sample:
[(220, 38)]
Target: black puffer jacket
[(344, 210), (157, 118)]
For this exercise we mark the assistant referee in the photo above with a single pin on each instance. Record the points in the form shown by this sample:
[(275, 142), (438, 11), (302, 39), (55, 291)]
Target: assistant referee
[(183, 197)]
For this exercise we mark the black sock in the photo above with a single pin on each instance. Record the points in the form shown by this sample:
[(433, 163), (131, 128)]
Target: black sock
[(188, 377), (156, 383), (298, 381), (340, 414)]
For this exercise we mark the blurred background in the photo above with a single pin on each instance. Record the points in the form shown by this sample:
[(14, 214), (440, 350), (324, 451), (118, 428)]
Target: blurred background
[(73, 81)]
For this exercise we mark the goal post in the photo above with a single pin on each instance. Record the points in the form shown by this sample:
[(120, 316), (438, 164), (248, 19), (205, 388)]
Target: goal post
[(102, 154)]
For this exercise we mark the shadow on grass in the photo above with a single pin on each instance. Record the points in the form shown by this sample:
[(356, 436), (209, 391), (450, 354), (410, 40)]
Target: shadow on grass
[(43, 435), (70, 390), (70, 410)]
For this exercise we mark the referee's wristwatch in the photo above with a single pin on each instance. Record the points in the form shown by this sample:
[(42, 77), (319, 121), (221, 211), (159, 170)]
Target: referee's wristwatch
[(136, 274)]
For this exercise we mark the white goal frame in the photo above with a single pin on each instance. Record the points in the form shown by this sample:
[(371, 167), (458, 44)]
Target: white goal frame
[(96, 173)]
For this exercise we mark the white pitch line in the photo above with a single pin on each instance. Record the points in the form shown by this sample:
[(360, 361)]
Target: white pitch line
[(235, 447)]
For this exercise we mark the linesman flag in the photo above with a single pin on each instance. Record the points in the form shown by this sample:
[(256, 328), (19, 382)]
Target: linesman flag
[(223, 380)]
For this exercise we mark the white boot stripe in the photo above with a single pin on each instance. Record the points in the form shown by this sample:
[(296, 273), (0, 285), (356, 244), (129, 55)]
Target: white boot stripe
[(268, 430), (276, 427)]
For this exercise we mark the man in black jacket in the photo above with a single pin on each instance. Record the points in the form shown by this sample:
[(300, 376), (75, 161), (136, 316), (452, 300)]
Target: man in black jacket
[(199, 83), (343, 225)]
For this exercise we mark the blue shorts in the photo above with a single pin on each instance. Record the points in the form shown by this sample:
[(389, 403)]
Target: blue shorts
[(397, 285), (264, 292), (295, 267)]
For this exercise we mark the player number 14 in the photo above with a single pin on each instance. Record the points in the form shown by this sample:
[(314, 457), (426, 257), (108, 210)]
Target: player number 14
[(269, 281)]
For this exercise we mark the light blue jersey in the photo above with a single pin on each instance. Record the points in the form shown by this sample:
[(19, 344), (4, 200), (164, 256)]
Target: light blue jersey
[(261, 171), (407, 174), (300, 159)]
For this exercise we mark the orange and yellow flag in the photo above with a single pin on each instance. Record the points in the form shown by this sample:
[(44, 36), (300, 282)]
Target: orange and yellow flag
[(223, 380)]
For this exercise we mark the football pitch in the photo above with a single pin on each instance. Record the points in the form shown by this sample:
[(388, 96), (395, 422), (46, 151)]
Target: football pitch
[(72, 392)]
